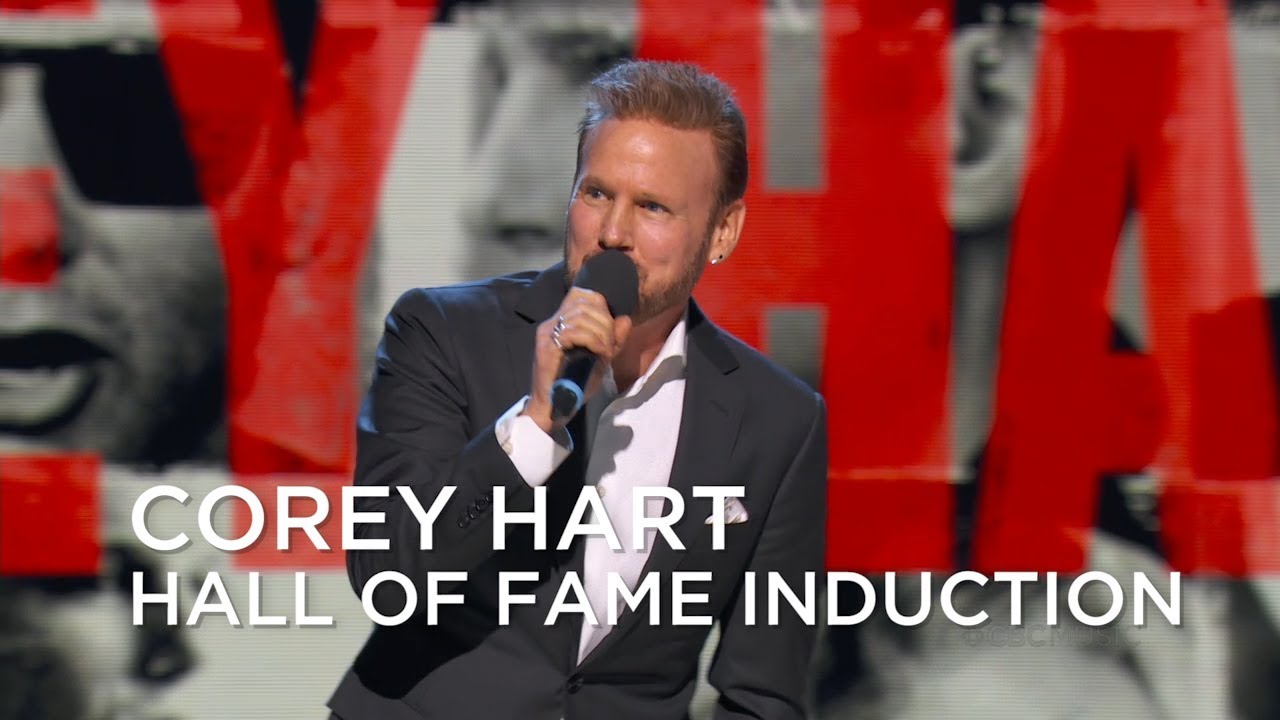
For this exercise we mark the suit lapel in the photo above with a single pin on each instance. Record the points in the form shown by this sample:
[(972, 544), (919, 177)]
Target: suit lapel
[(534, 305), (711, 415)]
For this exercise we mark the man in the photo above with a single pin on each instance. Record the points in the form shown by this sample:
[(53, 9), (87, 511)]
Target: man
[(117, 351), (459, 398)]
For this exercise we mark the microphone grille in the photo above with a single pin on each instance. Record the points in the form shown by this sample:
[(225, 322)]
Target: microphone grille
[(613, 275)]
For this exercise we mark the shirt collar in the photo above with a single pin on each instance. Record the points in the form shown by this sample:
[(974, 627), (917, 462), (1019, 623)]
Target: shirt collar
[(676, 346)]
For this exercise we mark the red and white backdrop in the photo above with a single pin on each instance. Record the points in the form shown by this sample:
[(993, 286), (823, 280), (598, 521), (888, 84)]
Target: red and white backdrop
[(1028, 252)]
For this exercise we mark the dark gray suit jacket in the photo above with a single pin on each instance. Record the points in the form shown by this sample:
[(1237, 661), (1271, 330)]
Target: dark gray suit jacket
[(451, 361)]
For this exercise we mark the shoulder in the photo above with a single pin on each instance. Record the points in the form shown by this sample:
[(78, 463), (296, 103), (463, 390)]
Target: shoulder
[(770, 385)]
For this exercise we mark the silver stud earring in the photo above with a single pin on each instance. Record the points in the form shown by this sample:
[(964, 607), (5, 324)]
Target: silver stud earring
[(716, 260)]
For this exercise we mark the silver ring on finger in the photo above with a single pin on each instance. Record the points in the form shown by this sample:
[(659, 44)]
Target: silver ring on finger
[(555, 333)]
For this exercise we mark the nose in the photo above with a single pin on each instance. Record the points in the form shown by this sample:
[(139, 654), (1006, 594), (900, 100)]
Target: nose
[(615, 227), (30, 183), (522, 173), (29, 230)]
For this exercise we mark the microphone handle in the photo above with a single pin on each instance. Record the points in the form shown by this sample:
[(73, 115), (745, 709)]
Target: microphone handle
[(569, 392)]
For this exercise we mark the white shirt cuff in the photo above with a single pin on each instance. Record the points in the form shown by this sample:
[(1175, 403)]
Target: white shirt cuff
[(534, 453)]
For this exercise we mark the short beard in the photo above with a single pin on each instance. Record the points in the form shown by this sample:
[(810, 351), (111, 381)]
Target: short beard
[(656, 302), (653, 304)]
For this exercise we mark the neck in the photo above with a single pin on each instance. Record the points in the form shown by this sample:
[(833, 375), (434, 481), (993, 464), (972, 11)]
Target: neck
[(643, 345)]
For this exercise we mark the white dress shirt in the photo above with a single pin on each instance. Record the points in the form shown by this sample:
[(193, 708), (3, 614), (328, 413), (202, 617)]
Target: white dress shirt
[(633, 445)]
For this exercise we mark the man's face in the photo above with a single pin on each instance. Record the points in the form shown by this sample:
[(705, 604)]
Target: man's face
[(649, 190), (121, 353), (537, 60)]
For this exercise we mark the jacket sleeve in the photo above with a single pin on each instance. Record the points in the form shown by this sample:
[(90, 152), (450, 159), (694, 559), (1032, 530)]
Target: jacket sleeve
[(413, 431), (761, 670)]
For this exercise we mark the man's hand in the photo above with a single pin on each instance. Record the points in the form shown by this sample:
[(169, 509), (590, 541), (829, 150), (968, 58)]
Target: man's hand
[(585, 323)]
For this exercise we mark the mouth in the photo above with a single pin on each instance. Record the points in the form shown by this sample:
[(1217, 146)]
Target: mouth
[(46, 377)]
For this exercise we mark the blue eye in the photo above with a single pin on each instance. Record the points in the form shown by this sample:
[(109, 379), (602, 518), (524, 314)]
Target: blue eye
[(653, 207)]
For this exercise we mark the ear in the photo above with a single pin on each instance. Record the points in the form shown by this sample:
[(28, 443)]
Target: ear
[(725, 234)]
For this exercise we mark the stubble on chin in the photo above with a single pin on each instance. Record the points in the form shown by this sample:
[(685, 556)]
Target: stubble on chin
[(654, 301)]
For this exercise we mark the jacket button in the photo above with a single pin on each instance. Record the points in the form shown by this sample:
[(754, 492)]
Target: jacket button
[(574, 684), (464, 521)]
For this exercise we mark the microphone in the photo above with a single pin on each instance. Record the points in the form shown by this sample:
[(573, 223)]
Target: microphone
[(613, 275)]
